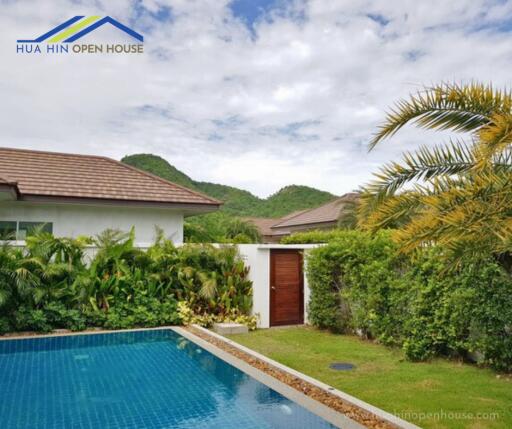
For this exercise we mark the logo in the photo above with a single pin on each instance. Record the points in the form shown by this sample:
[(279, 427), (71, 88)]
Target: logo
[(63, 39)]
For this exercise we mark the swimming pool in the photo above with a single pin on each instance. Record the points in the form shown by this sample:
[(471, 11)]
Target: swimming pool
[(138, 379)]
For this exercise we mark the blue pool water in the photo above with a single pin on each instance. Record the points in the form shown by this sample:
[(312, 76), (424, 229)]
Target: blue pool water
[(145, 379)]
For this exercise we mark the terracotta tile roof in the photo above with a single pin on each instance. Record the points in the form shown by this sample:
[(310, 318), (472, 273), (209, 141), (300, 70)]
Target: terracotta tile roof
[(329, 212), (49, 174), (292, 214), (6, 181), (263, 224)]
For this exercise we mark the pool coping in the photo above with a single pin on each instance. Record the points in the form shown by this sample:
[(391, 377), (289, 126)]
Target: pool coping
[(34, 335), (345, 397)]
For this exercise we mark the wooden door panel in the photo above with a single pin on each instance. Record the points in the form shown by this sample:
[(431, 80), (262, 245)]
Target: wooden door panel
[(286, 287)]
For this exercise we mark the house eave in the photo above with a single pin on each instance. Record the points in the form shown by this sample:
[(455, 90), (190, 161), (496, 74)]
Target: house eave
[(188, 208)]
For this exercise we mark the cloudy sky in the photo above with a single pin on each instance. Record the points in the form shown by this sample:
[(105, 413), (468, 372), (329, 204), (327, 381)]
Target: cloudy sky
[(252, 93)]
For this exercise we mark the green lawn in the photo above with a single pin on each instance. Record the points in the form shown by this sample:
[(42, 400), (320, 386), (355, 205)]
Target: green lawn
[(383, 378)]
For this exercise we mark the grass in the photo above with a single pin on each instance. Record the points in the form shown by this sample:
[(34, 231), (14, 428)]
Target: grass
[(458, 395)]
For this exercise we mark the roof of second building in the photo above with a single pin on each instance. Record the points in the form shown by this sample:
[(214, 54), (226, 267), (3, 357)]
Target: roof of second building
[(263, 224), (50, 174), (329, 212)]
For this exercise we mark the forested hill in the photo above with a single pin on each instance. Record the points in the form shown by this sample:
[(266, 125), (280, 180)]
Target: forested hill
[(236, 201)]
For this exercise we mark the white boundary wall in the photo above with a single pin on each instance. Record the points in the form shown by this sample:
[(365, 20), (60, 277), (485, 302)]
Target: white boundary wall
[(257, 258)]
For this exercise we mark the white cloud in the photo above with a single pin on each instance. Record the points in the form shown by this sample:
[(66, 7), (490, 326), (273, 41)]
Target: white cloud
[(295, 104)]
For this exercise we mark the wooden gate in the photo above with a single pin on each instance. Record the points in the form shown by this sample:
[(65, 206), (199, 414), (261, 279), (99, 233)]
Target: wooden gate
[(286, 287)]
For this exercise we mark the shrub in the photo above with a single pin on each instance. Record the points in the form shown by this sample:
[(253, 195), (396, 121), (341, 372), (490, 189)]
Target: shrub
[(143, 312), (5, 326), (359, 283), (188, 317), (351, 281), (316, 236), (28, 319), (491, 328), (60, 317), (213, 280), (461, 313), (327, 309)]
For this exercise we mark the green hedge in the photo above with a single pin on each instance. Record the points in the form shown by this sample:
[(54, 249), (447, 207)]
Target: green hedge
[(361, 284), (315, 236)]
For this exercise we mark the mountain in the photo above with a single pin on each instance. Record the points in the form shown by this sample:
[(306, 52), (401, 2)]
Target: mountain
[(236, 201), (159, 167), (292, 198)]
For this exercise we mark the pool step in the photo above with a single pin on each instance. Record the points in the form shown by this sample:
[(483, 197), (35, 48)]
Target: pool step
[(230, 328)]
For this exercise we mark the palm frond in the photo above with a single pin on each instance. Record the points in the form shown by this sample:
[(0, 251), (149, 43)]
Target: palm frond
[(424, 164), (460, 108), (4, 297), (458, 195), (208, 286), (389, 212), (495, 138)]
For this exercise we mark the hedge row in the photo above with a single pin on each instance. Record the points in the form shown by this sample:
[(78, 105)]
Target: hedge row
[(361, 284)]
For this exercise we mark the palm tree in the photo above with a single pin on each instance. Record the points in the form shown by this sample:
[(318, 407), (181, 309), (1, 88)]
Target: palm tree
[(242, 231), (348, 215), (458, 194)]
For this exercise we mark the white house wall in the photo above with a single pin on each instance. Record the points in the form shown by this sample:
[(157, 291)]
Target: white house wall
[(73, 220)]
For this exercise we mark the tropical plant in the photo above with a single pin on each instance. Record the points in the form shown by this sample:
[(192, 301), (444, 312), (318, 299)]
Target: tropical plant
[(13, 280), (348, 216), (51, 284), (241, 231), (188, 317), (220, 228), (197, 233), (213, 280), (43, 271), (458, 194)]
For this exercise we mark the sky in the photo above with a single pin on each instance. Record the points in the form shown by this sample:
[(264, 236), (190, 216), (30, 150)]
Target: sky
[(257, 94)]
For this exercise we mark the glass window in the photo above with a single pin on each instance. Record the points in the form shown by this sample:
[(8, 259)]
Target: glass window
[(7, 230), (26, 229)]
